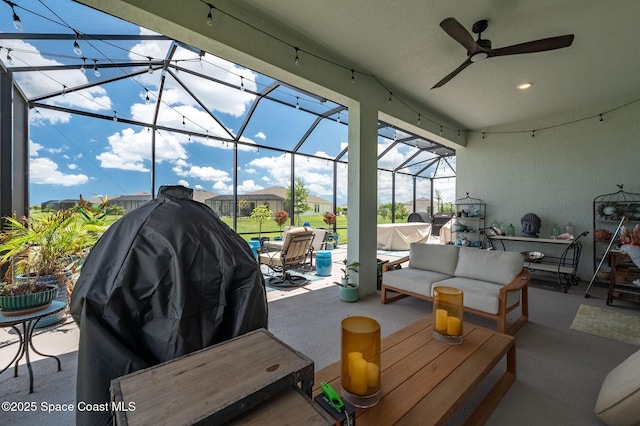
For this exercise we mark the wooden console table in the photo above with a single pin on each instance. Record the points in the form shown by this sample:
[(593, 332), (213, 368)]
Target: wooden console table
[(563, 266), (425, 380)]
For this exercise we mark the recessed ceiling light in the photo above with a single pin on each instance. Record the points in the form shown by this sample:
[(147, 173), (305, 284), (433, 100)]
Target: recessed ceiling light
[(523, 86)]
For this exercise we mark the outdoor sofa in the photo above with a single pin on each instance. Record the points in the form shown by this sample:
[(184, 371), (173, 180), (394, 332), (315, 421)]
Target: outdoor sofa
[(494, 282)]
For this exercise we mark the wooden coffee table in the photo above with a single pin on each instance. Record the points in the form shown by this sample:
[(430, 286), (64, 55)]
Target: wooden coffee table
[(424, 380)]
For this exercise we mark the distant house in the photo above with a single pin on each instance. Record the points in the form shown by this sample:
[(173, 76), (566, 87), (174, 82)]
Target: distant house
[(57, 205), (130, 202), (423, 205), (273, 198)]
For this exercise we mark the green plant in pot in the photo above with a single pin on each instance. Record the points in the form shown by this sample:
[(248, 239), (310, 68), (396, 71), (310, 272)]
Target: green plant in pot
[(348, 291), (39, 249), (16, 297)]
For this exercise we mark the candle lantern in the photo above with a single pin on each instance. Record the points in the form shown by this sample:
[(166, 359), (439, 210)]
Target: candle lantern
[(447, 314), (360, 374)]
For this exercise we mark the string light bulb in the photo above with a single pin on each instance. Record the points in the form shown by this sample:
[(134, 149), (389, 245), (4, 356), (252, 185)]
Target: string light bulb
[(482, 135), (338, 119), (146, 99), (115, 116), (9, 58), (441, 130), (83, 68), (150, 70), (76, 46), (533, 133), (96, 71), (17, 23), (419, 119), (242, 84), (353, 76), (390, 97), (297, 60), (601, 119), (210, 16), (64, 90), (297, 102)]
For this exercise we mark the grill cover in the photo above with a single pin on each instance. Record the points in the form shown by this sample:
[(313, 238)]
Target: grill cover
[(165, 280)]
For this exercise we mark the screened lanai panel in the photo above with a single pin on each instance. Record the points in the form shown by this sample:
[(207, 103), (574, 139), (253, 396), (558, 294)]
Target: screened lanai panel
[(327, 139), (317, 177), (278, 125)]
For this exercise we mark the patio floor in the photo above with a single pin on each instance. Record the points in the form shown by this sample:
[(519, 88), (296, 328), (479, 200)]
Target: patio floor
[(300, 321)]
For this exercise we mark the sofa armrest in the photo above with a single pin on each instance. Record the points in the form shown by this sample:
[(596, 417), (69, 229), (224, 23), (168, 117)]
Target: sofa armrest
[(391, 265), (519, 281)]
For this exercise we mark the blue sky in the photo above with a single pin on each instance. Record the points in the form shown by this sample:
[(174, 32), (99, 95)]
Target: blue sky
[(72, 154)]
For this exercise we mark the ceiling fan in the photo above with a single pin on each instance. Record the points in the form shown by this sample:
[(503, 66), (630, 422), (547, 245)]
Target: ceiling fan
[(480, 49)]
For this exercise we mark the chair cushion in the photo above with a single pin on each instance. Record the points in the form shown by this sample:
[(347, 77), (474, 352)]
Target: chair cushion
[(433, 257), (414, 280), (618, 403), (480, 295), (499, 267)]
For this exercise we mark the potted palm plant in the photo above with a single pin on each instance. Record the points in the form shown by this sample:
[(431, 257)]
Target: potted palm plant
[(40, 249)]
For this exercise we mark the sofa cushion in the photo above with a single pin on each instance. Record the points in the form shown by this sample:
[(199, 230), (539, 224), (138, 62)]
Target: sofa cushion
[(480, 295), (433, 257), (413, 280), (498, 267), (618, 403)]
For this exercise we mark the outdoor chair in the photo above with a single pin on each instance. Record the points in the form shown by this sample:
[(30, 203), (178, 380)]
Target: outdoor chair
[(295, 249)]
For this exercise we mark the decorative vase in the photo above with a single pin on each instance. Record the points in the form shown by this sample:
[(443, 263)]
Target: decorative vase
[(448, 307), (360, 361), (348, 293)]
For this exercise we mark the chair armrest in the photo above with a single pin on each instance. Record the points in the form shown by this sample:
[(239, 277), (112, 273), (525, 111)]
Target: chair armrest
[(518, 283), (389, 265)]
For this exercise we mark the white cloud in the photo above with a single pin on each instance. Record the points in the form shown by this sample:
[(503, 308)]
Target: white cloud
[(183, 183), (250, 171), (129, 150), (72, 166), (43, 171), (260, 135), (208, 174), (34, 148), (35, 84), (199, 186)]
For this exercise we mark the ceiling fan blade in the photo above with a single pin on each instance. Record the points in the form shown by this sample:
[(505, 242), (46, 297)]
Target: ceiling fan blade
[(542, 45), (455, 29), (452, 74)]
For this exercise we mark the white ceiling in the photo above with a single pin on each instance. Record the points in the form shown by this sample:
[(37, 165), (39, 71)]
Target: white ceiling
[(402, 43)]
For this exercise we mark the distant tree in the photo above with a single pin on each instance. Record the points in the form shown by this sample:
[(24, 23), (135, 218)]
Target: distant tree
[(400, 211), (339, 211), (260, 214), (439, 200), (117, 210), (300, 205)]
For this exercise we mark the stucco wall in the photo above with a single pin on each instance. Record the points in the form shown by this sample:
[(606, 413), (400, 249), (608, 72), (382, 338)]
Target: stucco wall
[(557, 173)]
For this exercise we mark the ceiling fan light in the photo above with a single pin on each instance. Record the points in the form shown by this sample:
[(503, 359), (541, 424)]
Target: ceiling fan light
[(477, 57), (524, 86)]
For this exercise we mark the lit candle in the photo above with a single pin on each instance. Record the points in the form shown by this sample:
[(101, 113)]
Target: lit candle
[(359, 377), (441, 320), (373, 373), (453, 326)]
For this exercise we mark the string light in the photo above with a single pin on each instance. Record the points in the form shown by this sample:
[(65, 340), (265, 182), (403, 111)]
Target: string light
[(83, 68), (242, 84), (353, 76), (9, 58), (297, 60), (458, 132), (146, 99), (338, 119), (297, 102), (17, 23), (76, 46), (96, 71), (601, 119), (533, 133), (482, 135), (64, 90), (210, 16), (441, 130), (183, 123), (390, 99), (150, 67), (115, 116), (419, 119)]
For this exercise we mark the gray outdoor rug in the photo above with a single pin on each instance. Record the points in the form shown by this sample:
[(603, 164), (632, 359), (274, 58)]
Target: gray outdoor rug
[(609, 323)]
